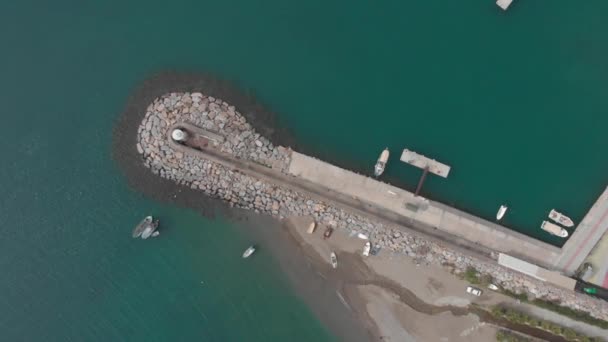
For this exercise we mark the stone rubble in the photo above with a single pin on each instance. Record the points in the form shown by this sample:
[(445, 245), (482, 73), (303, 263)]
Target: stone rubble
[(243, 191)]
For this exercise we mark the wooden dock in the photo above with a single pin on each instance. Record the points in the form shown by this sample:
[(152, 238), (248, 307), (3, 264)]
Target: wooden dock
[(425, 163)]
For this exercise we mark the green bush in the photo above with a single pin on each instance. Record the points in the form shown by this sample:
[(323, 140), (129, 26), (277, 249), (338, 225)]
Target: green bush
[(507, 336), (518, 317), (572, 313), (471, 275)]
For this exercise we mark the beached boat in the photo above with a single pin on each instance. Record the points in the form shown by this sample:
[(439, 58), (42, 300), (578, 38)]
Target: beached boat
[(334, 260), (247, 253), (367, 248), (312, 227), (149, 230), (560, 218), (554, 229), (328, 232), (381, 163), (362, 236), (501, 212), (142, 226)]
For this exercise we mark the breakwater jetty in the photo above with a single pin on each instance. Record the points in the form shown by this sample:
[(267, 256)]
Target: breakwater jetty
[(224, 157)]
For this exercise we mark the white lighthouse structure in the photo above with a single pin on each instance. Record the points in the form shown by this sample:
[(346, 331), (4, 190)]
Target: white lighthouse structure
[(179, 135)]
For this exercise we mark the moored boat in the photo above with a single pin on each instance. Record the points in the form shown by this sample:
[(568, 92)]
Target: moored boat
[(141, 226), (334, 260), (247, 253), (149, 230), (381, 163), (501, 212), (367, 248), (312, 227), (560, 218), (554, 229)]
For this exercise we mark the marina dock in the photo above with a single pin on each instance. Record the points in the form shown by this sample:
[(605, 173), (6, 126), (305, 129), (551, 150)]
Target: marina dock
[(432, 217), (587, 234), (422, 162)]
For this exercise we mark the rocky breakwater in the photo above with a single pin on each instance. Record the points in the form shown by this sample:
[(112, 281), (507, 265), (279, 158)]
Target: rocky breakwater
[(244, 191)]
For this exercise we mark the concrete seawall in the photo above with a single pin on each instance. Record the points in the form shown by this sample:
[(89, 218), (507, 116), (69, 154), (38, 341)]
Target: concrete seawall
[(248, 171), (481, 234)]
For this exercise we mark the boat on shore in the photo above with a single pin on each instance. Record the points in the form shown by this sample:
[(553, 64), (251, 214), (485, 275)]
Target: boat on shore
[(554, 229), (501, 212), (141, 226), (367, 248), (312, 227), (560, 218), (381, 163), (248, 252), (328, 232), (333, 259)]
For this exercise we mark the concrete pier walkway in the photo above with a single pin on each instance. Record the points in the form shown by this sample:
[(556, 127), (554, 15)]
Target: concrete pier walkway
[(591, 229), (445, 220)]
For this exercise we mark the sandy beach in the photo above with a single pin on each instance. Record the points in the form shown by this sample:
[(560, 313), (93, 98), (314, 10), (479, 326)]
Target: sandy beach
[(395, 299)]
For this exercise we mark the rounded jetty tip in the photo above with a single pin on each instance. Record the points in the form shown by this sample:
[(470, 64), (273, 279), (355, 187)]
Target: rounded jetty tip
[(178, 135)]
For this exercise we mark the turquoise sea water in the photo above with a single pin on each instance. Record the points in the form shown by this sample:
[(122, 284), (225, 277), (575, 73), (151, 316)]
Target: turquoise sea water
[(515, 102)]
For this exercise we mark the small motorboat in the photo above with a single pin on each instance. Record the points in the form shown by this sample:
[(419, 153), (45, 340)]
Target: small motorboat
[(328, 232), (156, 233), (560, 218), (149, 230), (141, 226), (334, 260), (312, 227), (554, 229), (367, 248), (501, 212), (381, 163), (247, 253)]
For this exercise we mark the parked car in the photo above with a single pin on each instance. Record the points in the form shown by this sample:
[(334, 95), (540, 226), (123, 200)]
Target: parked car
[(474, 291), (493, 287)]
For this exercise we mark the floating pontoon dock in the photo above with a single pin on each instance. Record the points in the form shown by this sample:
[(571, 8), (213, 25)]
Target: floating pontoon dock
[(426, 164)]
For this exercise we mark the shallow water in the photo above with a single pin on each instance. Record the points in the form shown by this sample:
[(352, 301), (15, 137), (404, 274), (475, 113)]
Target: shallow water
[(514, 102)]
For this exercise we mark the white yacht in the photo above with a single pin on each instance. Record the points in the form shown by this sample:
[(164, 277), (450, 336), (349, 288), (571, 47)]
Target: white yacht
[(248, 252), (560, 218), (554, 229), (501, 212), (381, 163)]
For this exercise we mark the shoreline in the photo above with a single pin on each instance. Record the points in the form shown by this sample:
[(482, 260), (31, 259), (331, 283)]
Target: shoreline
[(127, 152), (297, 268)]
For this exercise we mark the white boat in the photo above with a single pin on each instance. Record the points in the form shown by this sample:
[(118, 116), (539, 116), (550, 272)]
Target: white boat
[(554, 229), (149, 230), (156, 233), (334, 260), (504, 4), (560, 218), (248, 252), (367, 248), (312, 227), (501, 212), (141, 226), (381, 163)]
